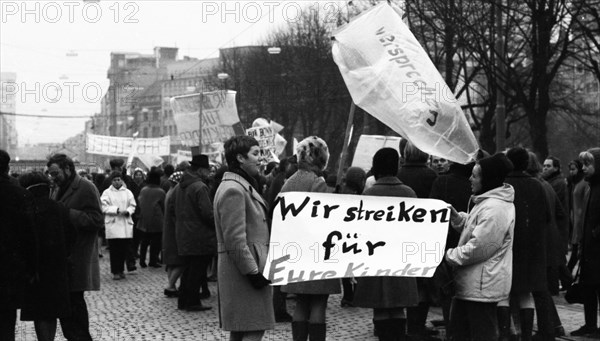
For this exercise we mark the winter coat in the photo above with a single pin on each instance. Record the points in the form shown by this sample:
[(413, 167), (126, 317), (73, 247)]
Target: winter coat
[(114, 201), (590, 243), (17, 244), (48, 297), (387, 292), (555, 246), (194, 220), (170, 254), (578, 205), (243, 244), (419, 177), (483, 257), (559, 185), (152, 209), (308, 181), (83, 201), (529, 246)]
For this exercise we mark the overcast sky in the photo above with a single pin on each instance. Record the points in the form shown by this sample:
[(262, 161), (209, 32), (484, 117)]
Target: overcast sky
[(35, 37)]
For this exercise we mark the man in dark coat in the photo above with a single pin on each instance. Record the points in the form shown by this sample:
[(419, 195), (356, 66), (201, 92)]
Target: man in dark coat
[(195, 233), (81, 197), (17, 247), (590, 244)]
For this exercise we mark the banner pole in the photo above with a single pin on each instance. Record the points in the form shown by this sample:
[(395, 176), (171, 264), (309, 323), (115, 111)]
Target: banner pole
[(200, 123), (345, 146)]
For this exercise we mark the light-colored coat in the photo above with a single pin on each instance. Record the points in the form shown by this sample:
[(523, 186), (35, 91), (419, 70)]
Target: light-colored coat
[(243, 243), (118, 226), (483, 257)]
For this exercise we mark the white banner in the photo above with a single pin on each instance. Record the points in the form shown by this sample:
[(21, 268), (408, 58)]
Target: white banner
[(368, 145), (220, 119), (391, 77), (126, 146), (320, 235), (266, 141)]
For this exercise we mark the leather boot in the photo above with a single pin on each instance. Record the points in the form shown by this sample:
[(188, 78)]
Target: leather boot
[(299, 330), (317, 331), (383, 329), (526, 317), (503, 323), (398, 329)]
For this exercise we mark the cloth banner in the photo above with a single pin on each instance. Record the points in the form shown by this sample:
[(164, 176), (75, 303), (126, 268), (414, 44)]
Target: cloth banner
[(368, 145), (126, 146), (151, 160), (391, 77), (266, 141), (322, 235), (220, 119)]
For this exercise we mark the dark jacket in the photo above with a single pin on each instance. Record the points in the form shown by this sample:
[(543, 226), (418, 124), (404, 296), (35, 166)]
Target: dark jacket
[(559, 185), (387, 292), (554, 247), (419, 177), (170, 254), (194, 219), (17, 243), (590, 243), (529, 245), (152, 209), (48, 297), (83, 201)]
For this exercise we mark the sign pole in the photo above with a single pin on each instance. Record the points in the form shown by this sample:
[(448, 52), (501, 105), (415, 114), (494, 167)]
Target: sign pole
[(345, 146), (200, 123)]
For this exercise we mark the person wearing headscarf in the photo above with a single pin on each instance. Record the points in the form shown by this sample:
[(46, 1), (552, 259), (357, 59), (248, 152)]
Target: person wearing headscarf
[(245, 297), (483, 257), (170, 255), (577, 191), (311, 297)]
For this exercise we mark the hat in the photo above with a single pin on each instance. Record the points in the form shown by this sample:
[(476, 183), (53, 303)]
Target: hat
[(355, 178), (385, 162), (494, 170), (519, 157), (313, 151), (176, 177), (200, 161)]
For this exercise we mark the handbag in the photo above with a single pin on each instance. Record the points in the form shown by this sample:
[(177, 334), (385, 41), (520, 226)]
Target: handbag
[(575, 292)]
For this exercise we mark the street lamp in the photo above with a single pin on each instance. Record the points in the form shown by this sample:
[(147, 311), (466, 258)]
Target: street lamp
[(274, 50)]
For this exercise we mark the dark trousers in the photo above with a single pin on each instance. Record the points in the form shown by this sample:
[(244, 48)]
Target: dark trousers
[(118, 249), (473, 320), (348, 289), (591, 298), (8, 319), (76, 327), (134, 246), (547, 315), (573, 258), (154, 240), (193, 277), (279, 304)]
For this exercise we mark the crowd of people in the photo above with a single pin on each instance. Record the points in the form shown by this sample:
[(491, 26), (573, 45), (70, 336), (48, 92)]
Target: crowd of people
[(519, 230)]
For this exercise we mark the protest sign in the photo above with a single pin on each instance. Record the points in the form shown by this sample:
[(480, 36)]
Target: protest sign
[(368, 145), (321, 235), (391, 77), (126, 146), (266, 141), (220, 119)]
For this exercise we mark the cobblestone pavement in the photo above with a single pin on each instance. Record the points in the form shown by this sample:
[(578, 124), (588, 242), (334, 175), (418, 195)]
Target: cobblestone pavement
[(136, 309)]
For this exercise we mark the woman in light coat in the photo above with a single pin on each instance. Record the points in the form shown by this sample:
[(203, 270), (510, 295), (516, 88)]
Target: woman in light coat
[(483, 257), (118, 205), (245, 299)]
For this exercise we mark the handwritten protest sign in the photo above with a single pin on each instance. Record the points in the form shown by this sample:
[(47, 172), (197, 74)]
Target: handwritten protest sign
[(266, 141), (391, 77), (126, 146), (220, 119), (320, 235), (368, 145)]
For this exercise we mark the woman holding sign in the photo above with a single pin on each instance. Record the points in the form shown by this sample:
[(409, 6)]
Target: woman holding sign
[(245, 298), (311, 302), (483, 257), (387, 296)]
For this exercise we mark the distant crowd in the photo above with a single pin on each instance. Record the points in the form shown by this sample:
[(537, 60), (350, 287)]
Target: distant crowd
[(521, 232)]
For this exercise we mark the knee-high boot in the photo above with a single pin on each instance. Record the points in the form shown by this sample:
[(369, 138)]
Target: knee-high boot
[(317, 331), (526, 317), (299, 330), (504, 323)]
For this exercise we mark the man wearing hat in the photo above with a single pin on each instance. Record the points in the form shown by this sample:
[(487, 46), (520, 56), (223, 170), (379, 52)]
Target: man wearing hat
[(194, 233)]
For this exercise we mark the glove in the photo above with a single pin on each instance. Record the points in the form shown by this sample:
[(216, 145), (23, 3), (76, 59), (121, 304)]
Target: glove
[(258, 281)]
